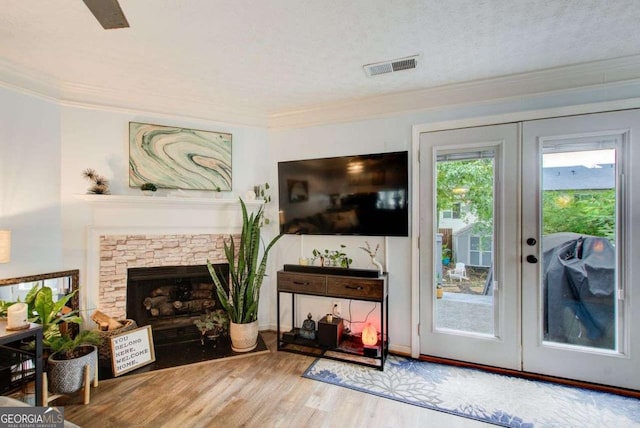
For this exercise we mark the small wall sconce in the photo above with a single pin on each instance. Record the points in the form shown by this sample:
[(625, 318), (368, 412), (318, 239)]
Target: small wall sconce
[(5, 246)]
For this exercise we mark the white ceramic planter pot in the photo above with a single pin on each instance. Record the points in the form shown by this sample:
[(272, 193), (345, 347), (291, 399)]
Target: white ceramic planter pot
[(67, 376), (244, 337)]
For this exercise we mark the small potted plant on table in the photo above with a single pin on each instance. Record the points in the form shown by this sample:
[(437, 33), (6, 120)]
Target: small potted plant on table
[(73, 363), (148, 188), (336, 258), (439, 289)]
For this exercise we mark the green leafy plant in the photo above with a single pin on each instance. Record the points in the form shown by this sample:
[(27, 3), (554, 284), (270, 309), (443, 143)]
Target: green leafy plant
[(262, 192), (446, 256), (71, 347), (335, 257), (149, 187), (4, 305), (240, 295), (51, 315), (213, 323)]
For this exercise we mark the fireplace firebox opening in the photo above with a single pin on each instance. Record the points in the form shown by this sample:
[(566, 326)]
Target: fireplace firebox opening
[(170, 298)]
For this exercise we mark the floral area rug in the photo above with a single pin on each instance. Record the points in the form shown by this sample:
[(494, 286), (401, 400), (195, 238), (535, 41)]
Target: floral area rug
[(497, 399)]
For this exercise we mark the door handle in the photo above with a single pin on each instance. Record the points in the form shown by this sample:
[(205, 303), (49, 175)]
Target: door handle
[(532, 259), (531, 242)]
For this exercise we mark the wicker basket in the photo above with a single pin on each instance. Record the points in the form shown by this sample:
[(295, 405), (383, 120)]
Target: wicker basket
[(104, 350)]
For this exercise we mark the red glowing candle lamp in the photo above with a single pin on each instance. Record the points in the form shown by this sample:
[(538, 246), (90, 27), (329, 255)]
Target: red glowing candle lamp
[(369, 335), (370, 340)]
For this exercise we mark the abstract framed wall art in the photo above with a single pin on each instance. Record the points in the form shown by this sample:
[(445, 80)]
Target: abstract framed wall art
[(179, 158)]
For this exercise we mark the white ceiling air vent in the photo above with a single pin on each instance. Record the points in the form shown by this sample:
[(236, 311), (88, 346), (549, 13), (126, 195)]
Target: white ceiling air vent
[(391, 66)]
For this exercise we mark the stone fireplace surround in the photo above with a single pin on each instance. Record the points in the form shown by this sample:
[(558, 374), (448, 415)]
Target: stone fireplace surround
[(141, 231), (118, 253)]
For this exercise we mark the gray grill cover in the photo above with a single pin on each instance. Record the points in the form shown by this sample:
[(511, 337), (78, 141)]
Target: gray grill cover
[(579, 274)]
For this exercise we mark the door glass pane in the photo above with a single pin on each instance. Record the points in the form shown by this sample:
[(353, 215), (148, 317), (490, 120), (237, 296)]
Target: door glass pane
[(465, 186), (579, 268)]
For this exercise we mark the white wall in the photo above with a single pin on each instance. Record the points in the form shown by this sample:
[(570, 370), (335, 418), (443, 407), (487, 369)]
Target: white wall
[(99, 139), (394, 133), (30, 183), (374, 136)]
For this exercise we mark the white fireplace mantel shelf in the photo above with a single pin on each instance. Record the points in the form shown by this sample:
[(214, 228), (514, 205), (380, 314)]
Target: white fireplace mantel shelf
[(165, 211), (124, 201)]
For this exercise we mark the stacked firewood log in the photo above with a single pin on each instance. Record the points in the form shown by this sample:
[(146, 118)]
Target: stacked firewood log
[(169, 300), (105, 322)]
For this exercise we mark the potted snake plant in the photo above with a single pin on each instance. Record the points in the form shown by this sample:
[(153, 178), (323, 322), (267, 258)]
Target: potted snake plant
[(239, 294)]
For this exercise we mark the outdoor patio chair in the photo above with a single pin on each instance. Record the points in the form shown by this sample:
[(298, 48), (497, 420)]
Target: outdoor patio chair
[(459, 272)]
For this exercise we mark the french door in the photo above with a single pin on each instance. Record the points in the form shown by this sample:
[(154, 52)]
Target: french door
[(580, 242), (528, 228), (474, 178)]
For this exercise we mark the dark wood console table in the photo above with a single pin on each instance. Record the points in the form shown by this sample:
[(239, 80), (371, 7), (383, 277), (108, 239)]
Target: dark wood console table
[(34, 331), (334, 285)]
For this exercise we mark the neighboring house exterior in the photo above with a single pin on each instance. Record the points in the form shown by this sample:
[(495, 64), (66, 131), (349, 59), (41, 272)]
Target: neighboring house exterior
[(475, 249), (471, 248)]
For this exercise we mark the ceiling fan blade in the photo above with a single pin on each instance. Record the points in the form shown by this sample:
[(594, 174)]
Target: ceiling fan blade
[(108, 13)]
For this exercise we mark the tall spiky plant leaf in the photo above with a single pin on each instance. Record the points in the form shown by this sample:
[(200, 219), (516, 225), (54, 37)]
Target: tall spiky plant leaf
[(241, 298), (221, 284)]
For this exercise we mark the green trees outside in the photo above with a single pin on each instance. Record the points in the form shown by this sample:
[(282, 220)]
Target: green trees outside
[(587, 212), (470, 182)]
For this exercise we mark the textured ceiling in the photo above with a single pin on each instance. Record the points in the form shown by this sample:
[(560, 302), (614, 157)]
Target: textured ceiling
[(268, 57)]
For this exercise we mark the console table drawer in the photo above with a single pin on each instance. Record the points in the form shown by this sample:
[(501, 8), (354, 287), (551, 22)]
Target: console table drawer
[(301, 283), (355, 288)]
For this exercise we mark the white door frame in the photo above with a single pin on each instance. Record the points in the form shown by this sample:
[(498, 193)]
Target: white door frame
[(467, 123)]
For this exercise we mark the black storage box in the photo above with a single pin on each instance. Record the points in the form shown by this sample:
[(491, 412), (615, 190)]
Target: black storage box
[(330, 333), (289, 336)]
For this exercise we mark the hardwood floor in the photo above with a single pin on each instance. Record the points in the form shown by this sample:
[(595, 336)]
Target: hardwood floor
[(257, 391)]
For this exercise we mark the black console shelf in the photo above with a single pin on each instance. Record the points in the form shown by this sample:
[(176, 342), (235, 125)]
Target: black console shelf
[(335, 284)]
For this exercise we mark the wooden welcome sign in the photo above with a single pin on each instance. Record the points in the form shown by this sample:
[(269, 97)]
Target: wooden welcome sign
[(131, 350)]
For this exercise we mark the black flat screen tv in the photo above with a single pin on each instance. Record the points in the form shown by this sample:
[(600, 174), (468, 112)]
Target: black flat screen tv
[(347, 195)]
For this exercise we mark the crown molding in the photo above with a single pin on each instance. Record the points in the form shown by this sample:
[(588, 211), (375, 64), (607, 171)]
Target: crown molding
[(596, 74), (28, 82), (106, 98), (554, 80), (86, 96)]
